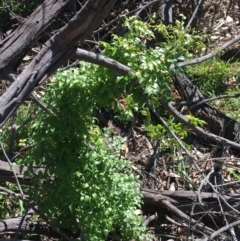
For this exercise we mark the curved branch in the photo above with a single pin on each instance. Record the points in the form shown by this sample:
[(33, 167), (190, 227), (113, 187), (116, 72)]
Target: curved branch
[(197, 129), (221, 230), (207, 56), (124, 70), (100, 60)]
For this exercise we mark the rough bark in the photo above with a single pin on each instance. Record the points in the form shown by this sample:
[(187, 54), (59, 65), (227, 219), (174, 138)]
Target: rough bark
[(12, 224), (6, 173), (166, 12), (152, 198), (183, 200), (54, 54), (177, 202), (15, 46)]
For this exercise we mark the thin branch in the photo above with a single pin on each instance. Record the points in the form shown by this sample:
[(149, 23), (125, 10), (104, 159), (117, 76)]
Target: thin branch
[(36, 210), (195, 104), (14, 173), (142, 7), (223, 198), (150, 219), (221, 230), (197, 129), (231, 230), (30, 119), (9, 192), (211, 99), (194, 14), (135, 12), (201, 186), (20, 225), (207, 56), (183, 224), (186, 218), (39, 102), (51, 224), (174, 135), (13, 136)]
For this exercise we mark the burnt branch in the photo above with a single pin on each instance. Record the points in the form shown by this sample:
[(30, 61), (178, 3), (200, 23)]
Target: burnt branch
[(54, 54)]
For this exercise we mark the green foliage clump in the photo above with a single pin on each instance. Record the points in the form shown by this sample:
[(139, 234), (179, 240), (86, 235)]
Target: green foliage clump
[(195, 121), (21, 8), (86, 186), (230, 106), (8, 205), (154, 67), (158, 132), (211, 76)]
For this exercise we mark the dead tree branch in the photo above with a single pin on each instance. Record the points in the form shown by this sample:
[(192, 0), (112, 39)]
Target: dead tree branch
[(55, 53)]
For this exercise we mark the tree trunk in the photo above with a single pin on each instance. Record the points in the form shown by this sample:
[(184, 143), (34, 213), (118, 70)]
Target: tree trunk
[(55, 52), (166, 12)]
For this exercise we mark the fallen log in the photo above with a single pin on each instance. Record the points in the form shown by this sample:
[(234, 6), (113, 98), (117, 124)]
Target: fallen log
[(6, 173), (178, 202), (28, 226), (218, 123), (184, 200)]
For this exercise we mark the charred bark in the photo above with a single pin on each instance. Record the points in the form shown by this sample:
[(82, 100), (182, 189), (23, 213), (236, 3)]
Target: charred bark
[(218, 123), (55, 52), (166, 12), (152, 198), (16, 45), (185, 199), (30, 227)]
